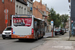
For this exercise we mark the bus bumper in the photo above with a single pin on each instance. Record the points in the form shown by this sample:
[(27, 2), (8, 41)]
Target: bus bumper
[(22, 37)]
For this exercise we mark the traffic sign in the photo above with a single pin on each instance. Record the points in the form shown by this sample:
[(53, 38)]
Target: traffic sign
[(6, 21), (52, 22), (6, 16), (6, 11)]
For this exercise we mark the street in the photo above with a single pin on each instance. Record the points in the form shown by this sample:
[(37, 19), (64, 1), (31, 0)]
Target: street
[(15, 44), (47, 43), (59, 42), (25, 22)]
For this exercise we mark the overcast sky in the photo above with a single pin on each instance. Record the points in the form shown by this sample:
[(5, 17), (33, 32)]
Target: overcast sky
[(60, 6)]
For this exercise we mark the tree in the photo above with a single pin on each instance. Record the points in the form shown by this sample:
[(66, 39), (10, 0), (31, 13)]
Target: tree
[(55, 17), (64, 18)]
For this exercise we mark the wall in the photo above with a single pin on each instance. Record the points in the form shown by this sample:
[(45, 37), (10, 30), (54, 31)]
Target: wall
[(36, 12), (38, 5), (30, 3), (73, 10), (21, 8), (11, 8)]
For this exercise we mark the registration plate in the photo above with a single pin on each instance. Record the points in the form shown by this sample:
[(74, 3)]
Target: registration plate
[(21, 35), (7, 35)]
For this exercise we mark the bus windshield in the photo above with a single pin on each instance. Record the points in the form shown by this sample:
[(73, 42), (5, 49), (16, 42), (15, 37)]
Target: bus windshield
[(18, 21)]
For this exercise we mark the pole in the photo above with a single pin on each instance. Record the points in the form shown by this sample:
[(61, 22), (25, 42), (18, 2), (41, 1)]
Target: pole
[(69, 29), (52, 32)]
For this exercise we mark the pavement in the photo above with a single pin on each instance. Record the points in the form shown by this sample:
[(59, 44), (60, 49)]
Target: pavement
[(15, 44), (58, 43)]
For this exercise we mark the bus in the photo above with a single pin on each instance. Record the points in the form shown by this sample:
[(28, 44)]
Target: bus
[(27, 27)]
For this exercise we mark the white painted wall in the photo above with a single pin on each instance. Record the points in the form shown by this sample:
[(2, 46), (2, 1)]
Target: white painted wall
[(29, 5), (21, 9)]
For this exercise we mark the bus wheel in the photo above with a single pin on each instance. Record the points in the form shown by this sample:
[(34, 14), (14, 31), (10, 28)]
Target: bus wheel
[(42, 37), (3, 38), (37, 37), (20, 39)]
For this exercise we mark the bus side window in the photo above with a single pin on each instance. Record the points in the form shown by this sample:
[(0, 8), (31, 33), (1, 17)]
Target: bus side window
[(35, 24)]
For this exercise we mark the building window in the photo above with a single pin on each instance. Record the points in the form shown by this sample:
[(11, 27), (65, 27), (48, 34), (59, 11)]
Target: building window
[(16, 8), (16, 5), (25, 11), (28, 4), (28, 12), (11, 0), (3, 1), (24, 8), (19, 9)]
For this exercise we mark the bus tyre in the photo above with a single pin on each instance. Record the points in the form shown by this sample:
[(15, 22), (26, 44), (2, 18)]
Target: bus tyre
[(42, 37), (3, 38), (37, 37), (20, 39)]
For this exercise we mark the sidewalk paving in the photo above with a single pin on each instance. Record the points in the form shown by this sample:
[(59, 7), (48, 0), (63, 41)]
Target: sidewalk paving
[(56, 45), (59, 43), (72, 39)]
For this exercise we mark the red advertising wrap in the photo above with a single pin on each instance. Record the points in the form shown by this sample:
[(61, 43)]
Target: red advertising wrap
[(22, 21)]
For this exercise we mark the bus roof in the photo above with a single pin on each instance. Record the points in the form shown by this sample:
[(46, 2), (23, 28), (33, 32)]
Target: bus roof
[(19, 15), (25, 15)]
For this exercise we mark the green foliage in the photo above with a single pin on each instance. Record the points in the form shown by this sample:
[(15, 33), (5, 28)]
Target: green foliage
[(64, 19), (57, 18)]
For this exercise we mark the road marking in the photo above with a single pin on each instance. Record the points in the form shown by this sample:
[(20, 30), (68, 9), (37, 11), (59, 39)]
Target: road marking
[(63, 47)]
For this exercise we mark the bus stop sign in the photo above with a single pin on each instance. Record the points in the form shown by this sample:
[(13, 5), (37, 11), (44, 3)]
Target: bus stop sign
[(6, 21)]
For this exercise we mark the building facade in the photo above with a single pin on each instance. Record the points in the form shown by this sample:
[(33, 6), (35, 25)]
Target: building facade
[(29, 7), (41, 11), (20, 6), (14, 7), (72, 14), (47, 12), (38, 8), (6, 4)]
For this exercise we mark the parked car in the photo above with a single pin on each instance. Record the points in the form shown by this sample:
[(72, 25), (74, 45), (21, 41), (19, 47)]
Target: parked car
[(64, 30), (7, 33), (59, 31)]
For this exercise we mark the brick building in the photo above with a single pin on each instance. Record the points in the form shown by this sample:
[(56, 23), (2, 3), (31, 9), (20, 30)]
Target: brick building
[(10, 5), (14, 7), (41, 11)]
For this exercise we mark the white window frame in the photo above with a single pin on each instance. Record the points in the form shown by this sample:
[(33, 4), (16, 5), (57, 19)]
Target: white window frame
[(11, 0), (17, 9), (2, 1), (28, 4)]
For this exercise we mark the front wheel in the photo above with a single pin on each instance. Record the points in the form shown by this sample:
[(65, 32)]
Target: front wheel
[(55, 33), (63, 34), (3, 38)]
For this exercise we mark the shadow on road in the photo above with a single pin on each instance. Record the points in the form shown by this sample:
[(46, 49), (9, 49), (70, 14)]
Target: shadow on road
[(28, 40), (56, 36)]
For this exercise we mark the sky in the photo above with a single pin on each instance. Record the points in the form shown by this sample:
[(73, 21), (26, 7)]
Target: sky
[(60, 6)]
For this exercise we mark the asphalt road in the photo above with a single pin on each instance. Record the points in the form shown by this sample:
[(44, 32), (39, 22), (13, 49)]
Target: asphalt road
[(15, 44)]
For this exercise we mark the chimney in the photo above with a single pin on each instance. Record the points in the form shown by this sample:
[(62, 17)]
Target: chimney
[(40, 1)]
